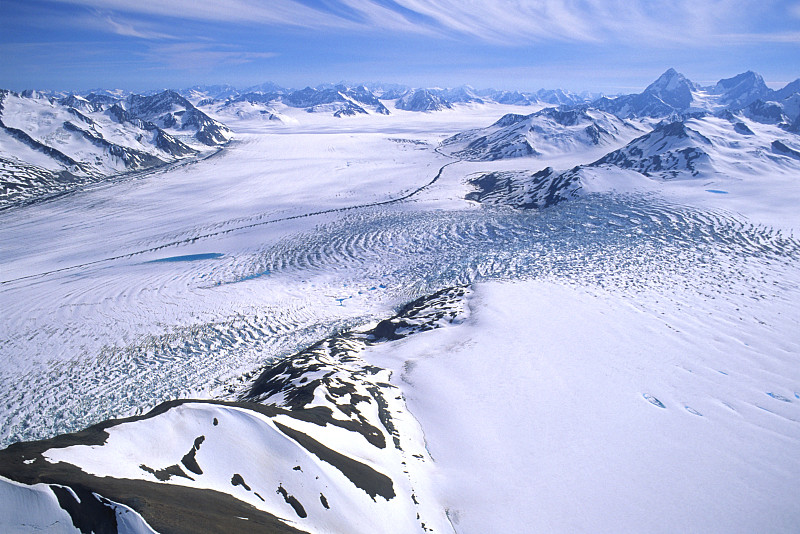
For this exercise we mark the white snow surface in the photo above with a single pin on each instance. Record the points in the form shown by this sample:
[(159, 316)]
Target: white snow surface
[(35, 508), (242, 442), (536, 412)]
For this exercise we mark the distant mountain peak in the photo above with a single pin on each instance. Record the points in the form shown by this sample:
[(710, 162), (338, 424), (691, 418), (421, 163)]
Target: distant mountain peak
[(670, 78), (788, 90), (741, 90), (672, 88), (546, 132), (748, 76), (422, 100)]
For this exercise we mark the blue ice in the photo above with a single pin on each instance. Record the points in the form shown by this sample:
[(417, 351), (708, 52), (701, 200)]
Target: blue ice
[(189, 257)]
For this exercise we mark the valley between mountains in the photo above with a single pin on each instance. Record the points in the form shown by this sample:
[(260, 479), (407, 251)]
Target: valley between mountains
[(392, 309)]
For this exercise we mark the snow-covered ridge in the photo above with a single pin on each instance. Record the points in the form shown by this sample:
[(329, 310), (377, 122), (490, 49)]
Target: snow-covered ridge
[(50, 146), (672, 94), (726, 131), (551, 131), (524, 190), (422, 100), (349, 100), (269, 91), (670, 150), (733, 148), (318, 442)]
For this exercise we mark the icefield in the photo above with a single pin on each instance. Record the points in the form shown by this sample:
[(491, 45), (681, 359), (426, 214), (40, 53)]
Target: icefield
[(376, 324)]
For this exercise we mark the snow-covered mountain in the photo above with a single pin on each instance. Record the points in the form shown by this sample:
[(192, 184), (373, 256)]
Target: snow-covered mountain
[(170, 111), (741, 90), (708, 146), (318, 442), (438, 99), (393, 93), (107, 132), (784, 112), (115, 94), (515, 98), (338, 100), (246, 107), (198, 93), (267, 88), (559, 97), (672, 149), (523, 190), (746, 135), (49, 146), (343, 99), (464, 94), (724, 147), (673, 94), (422, 100), (670, 93), (101, 99), (549, 131)]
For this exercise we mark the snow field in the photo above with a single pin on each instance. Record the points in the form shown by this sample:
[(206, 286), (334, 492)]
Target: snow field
[(536, 414)]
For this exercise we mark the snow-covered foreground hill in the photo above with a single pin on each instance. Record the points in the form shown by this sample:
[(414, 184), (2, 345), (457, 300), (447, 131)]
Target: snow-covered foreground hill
[(558, 408), (369, 345)]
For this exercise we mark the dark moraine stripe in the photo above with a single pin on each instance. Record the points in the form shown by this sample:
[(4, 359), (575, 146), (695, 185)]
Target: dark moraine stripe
[(363, 476)]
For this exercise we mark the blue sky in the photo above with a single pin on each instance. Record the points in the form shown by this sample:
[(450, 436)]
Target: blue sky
[(598, 45)]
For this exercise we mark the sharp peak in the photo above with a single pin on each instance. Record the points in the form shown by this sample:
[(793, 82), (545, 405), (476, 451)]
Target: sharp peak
[(669, 78), (671, 73)]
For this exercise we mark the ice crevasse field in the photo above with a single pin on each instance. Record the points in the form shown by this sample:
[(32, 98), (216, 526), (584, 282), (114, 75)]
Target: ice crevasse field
[(623, 361)]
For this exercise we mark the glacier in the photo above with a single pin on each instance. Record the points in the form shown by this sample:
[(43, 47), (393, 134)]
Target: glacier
[(346, 322)]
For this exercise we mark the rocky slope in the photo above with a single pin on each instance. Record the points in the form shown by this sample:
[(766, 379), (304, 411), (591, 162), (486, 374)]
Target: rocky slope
[(317, 442), (50, 146)]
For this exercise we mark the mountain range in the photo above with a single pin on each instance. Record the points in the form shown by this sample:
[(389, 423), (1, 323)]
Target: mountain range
[(673, 94), (550, 131), (49, 146), (674, 129), (424, 98)]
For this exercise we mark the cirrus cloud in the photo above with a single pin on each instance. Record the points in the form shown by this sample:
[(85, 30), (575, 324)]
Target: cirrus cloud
[(670, 22)]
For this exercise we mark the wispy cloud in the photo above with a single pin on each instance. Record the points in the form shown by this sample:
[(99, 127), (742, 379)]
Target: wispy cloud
[(495, 21), (274, 12), (201, 56), (507, 21), (668, 22), (127, 29), (626, 21), (759, 38)]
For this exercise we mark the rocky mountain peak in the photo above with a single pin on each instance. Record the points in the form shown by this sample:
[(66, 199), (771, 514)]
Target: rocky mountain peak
[(672, 88)]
